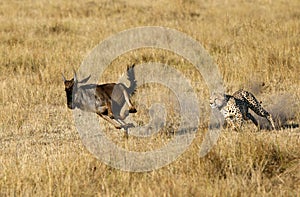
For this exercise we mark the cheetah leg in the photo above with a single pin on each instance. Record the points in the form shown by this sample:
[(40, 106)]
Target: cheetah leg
[(263, 113), (270, 119), (258, 109), (239, 121), (249, 116), (234, 122), (229, 122)]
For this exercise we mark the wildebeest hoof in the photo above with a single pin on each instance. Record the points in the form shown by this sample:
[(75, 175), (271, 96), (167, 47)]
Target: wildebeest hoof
[(111, 115), (118, 127), (129, 125), (132, 110)]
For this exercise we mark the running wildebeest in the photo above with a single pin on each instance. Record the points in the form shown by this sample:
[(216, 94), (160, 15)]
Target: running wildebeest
[(106, 99)]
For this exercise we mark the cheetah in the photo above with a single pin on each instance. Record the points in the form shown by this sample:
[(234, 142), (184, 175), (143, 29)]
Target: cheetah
[(235, 108)]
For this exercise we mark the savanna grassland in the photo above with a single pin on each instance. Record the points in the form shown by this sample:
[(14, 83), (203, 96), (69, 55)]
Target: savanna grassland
[(256, 45)]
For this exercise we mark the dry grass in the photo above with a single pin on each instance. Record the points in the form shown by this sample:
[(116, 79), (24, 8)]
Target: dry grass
[(253, 42)]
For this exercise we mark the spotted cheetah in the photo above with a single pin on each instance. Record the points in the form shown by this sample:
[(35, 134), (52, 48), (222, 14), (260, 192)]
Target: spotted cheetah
[(235, 108)]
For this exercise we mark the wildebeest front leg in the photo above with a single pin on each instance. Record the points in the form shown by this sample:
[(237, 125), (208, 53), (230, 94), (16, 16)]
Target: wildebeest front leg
[(112, 121), (109, 110)]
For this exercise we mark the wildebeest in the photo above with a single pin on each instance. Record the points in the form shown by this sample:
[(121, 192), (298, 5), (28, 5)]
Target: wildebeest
[(106, 99)]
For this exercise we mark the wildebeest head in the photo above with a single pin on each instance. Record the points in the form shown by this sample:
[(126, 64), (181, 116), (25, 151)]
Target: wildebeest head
[(71, 88)]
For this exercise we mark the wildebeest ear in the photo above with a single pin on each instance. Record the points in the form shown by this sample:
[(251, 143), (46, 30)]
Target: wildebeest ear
[(85, 80), (63, 77)]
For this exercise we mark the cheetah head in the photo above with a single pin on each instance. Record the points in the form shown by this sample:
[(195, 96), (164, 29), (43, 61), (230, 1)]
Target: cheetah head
[(217, 100)]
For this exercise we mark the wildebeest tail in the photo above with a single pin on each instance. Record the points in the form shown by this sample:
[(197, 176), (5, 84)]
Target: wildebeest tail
[(131, 77)]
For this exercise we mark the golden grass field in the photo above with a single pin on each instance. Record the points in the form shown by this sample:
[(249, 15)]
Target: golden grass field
[(256, 45)]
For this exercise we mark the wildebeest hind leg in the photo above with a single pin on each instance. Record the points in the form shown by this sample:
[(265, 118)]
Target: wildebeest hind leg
[(127, 99)]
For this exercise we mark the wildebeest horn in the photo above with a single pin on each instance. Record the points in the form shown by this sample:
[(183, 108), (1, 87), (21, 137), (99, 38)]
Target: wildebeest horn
[(75, 75), (63, 77), (85, 80)]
